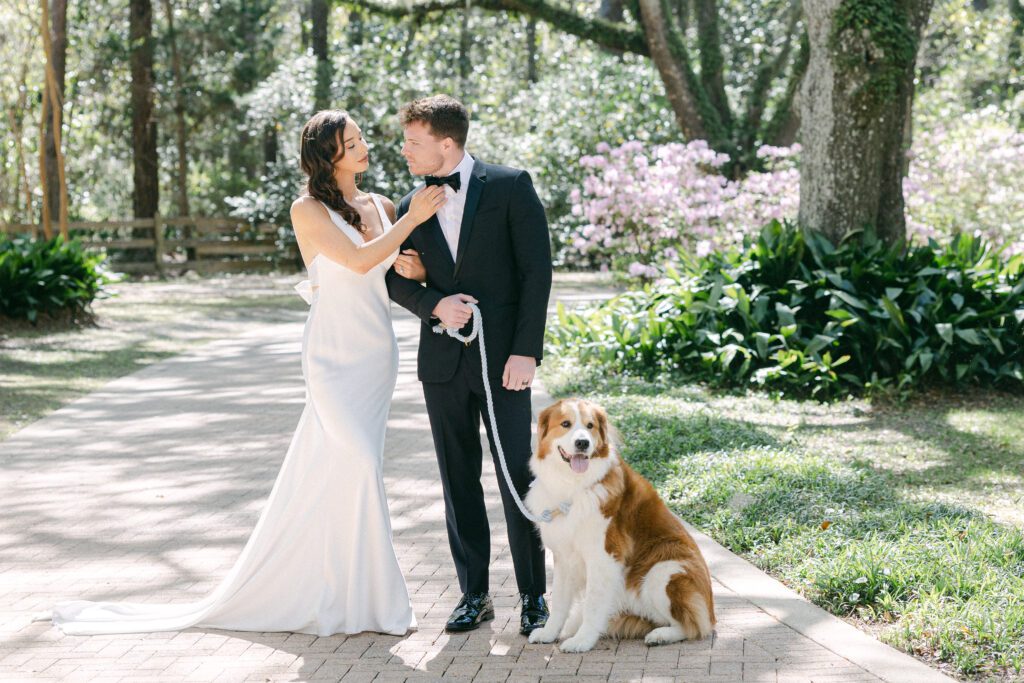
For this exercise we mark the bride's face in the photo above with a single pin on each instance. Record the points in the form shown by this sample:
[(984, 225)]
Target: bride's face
[(424, 153), (353, 155)]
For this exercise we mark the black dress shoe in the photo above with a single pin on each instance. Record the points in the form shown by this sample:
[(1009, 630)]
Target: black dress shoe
[(534, 613), (472, 610)]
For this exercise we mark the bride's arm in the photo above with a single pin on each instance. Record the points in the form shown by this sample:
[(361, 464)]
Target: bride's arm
[(408, 263), (319, 235)]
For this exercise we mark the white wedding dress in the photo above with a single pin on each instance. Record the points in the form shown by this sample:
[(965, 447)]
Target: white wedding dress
[(320, 560)]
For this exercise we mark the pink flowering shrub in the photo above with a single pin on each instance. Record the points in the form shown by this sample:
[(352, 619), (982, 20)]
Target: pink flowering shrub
[(760, 198), (641, 208)]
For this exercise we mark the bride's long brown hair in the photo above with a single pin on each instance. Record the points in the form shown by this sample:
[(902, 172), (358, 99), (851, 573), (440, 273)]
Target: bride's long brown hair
[(318, 150)]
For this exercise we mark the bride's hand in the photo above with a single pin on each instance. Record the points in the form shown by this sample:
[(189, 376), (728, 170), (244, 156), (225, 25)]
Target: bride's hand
[(426, 202), (409, 265)]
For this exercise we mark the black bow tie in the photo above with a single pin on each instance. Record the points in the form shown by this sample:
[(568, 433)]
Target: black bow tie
[(454, 180)]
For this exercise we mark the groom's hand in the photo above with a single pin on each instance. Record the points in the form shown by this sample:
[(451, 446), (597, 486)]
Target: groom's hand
[(519, 371), (453, 311)]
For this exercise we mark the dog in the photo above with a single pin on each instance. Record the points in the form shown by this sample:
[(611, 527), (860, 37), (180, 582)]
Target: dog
[(625, 566)]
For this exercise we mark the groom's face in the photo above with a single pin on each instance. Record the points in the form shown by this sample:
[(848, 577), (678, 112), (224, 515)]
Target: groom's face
[(425, 153)]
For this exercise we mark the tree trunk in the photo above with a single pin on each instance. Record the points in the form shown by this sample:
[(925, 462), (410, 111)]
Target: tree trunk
[(319, 12), (180, 126), (854, 107), (146, 190), (531, 50), (21, 179), (1016, 44), (58, 56), (673, 73), (180, 129), (712, 63), (50, 124), (613, 11), (270, 147), (304, 26), (15, 116), (465, 45), (355, 27)]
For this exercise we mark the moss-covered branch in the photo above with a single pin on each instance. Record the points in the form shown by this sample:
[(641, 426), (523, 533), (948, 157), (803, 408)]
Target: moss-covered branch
[(781, 128), (714, 130), (712, 64)]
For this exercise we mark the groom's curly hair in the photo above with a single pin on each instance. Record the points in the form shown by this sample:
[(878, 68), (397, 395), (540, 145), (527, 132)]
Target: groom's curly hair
[(318, 150), (444, 115)]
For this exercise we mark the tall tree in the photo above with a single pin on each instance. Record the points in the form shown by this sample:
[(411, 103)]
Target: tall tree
[(51, 183), (54, 115), (146, 195), (855, 107), (465, 46), (320, 15), (180, 124), (15, 117), (531, 50)]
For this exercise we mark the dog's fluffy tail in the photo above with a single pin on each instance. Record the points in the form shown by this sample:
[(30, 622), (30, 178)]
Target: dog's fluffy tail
[(628, 626)]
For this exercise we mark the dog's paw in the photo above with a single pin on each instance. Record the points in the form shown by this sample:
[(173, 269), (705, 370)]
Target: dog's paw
[(543, 635), (579, 643), (665, 635)]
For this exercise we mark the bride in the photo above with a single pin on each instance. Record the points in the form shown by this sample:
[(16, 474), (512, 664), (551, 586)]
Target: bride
[(320, 560)]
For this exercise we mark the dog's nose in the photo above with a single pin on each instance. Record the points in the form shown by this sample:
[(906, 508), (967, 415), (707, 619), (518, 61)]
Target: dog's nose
[(581, 444)]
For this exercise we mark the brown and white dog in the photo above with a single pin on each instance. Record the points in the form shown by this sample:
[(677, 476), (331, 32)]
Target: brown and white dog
[(625, 566)]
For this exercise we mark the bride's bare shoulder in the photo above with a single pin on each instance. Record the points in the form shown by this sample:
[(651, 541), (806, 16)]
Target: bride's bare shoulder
[(306, 208), (305, 202)]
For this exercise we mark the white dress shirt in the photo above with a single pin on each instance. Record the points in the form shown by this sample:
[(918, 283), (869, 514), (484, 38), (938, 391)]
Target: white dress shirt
[(450, 215)]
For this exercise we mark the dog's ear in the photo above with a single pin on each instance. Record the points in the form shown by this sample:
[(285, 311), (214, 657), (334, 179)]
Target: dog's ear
[(544, 419), (614, 439), (601, 417)]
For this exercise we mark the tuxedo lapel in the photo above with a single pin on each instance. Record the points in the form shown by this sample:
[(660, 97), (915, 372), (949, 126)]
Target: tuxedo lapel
[(476, 188), (433, 229)]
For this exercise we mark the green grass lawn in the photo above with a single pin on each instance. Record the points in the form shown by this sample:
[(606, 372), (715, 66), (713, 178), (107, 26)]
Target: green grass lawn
[(906, 519), (42, 369)]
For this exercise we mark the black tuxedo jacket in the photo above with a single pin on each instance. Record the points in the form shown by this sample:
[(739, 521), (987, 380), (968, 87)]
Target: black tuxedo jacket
[(503, 260)]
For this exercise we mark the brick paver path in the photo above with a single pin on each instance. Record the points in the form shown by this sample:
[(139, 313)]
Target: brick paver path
[(147, 490)]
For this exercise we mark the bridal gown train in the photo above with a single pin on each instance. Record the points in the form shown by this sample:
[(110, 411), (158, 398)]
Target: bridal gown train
[(320, 560)]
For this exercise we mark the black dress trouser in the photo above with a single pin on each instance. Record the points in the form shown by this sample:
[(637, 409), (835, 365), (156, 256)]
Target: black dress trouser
[(455, 409)]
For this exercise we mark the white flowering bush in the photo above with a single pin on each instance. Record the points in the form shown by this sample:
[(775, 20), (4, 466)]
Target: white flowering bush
[(967, 176)]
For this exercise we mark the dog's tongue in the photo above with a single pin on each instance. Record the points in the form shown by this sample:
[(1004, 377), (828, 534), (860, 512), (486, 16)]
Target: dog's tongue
[(579, 464)]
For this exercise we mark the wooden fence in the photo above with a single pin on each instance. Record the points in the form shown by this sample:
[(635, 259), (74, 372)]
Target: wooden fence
[(174, 245)]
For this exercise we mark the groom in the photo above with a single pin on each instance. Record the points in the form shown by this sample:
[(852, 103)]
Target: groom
[(489, 245)]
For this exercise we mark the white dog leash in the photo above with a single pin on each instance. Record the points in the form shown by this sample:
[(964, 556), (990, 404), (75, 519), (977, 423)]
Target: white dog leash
[(478, 331)]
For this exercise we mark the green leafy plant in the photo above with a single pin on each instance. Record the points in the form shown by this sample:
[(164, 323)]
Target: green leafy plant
[(793, 312), (51, 277)]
